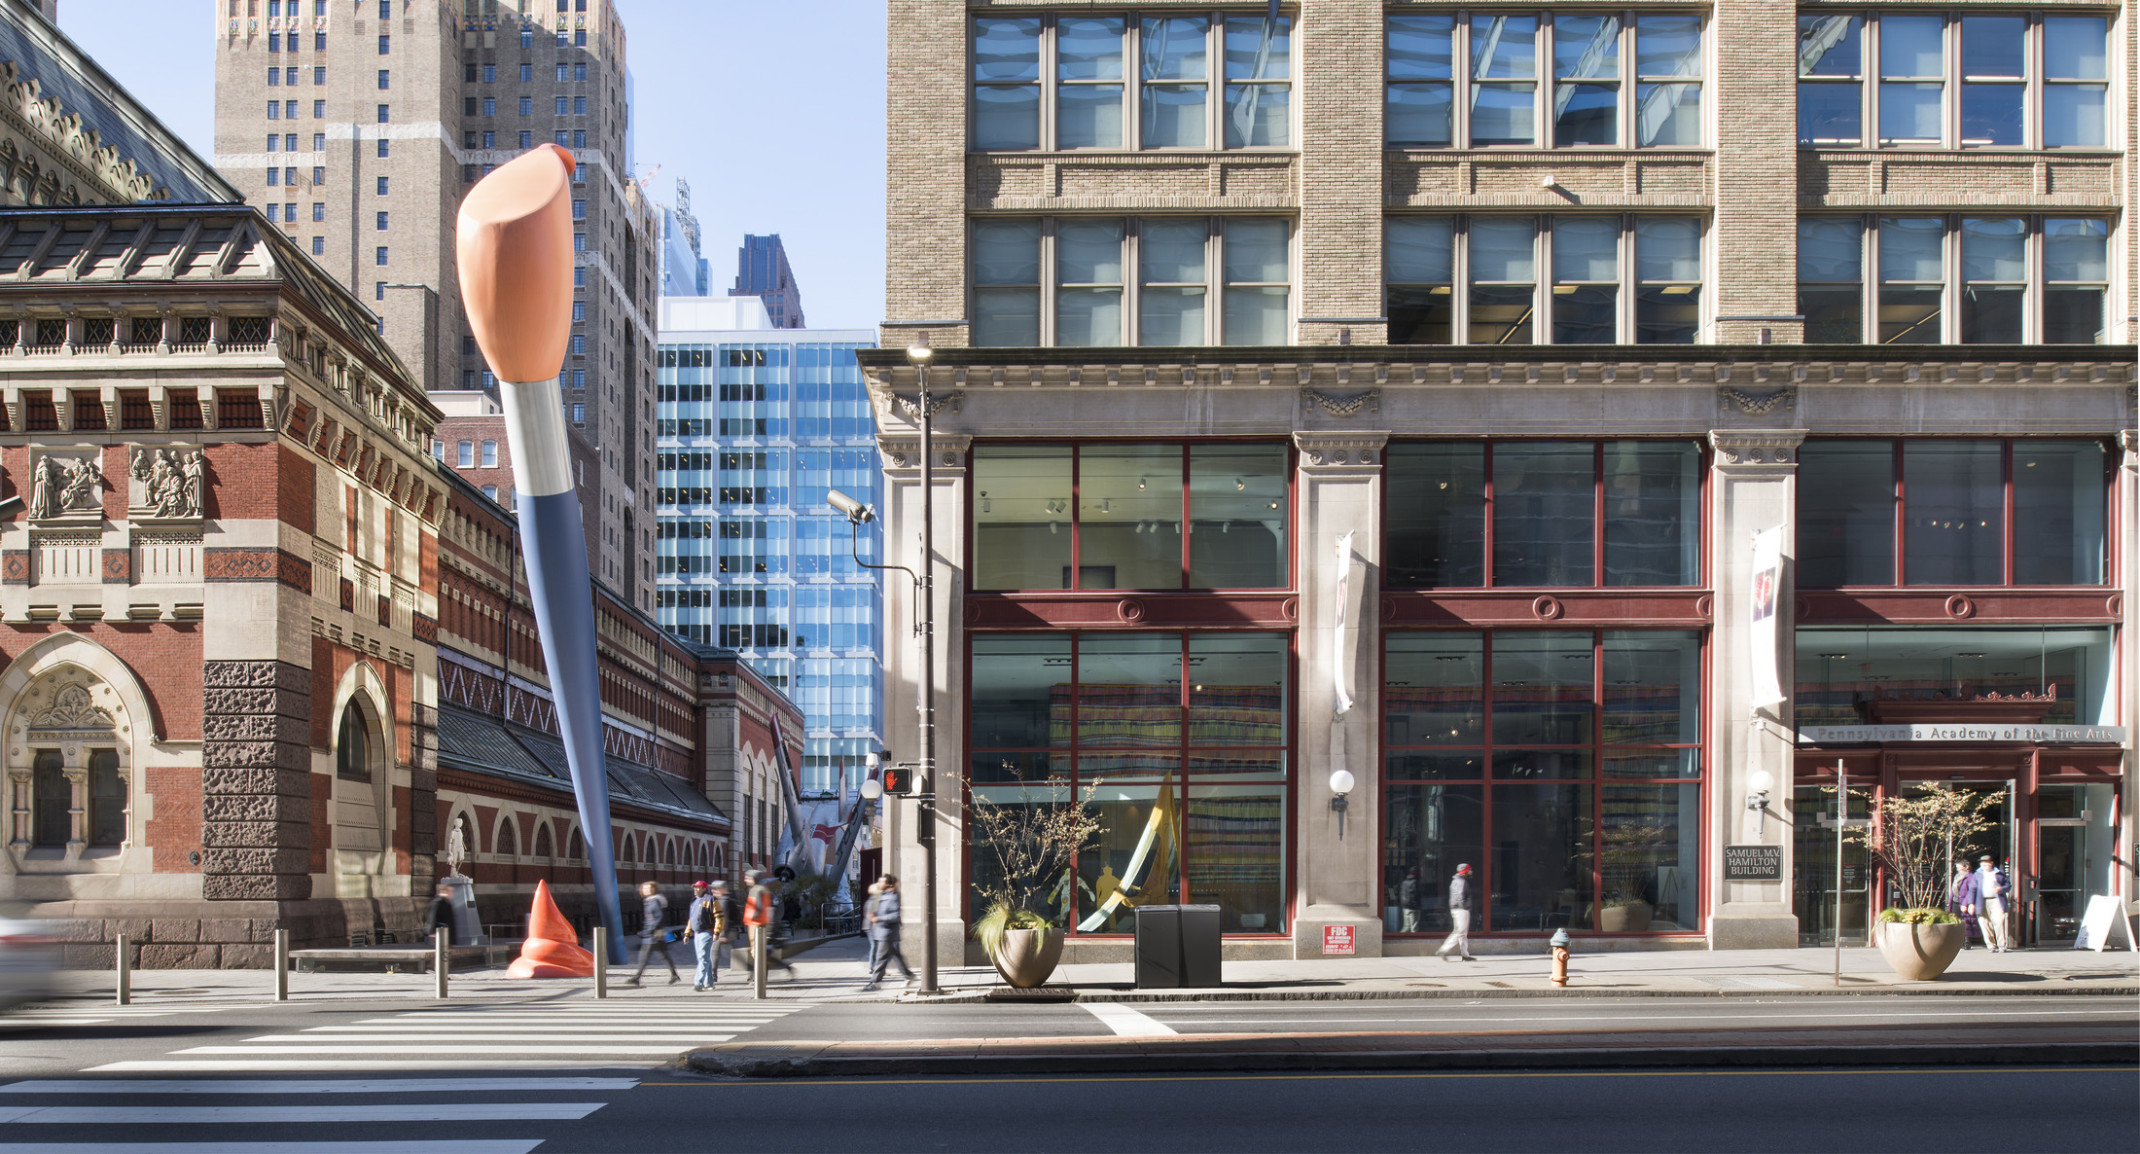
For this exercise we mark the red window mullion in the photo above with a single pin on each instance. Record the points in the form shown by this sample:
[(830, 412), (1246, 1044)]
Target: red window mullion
[(1597, 774), (2006, 528), (1185, 528), (1486, 523), (1902, 496), (1487, 867), (1077, 514), (1597, 515)]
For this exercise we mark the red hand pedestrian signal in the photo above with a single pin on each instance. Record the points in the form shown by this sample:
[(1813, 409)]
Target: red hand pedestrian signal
[(898, 780)]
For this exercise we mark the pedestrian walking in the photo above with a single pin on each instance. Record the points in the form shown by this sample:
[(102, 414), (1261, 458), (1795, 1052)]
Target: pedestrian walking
[(1459, 916), (758, 922), (439, 919), (869, 914), (1962, 898), (1408, 901), (884, 933), (706, 924), (1992, 905), (653, 911)]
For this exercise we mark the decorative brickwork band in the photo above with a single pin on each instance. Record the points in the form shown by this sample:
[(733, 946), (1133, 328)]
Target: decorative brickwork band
[(14, 567), (118, 566), (242, 564), (423, 629)]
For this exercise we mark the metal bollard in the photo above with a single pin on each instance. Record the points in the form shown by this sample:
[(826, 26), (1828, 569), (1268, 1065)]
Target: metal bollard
[(601, 962), (441, 960), (126, 972), (282, 965)]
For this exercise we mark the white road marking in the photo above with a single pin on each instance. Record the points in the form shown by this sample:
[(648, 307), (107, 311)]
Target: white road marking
[(1125, 1021), (435, 1048), (681, 1039), (103, 1115), (508, 1030), (137, 1087), (306, 1065), (459, 1146), (1849, 1015)]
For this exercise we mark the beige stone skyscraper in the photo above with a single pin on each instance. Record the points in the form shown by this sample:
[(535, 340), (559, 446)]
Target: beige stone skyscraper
[(358, 125)]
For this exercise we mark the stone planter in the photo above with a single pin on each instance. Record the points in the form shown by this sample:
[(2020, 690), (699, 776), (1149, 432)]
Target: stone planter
[(1920, 953), (1028, 957), (1632, 919)]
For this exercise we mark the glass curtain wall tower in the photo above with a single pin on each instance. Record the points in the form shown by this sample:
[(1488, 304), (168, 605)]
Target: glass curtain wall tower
[(753, 425)]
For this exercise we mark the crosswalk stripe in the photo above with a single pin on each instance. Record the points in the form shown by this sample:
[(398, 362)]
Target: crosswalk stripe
[(137, 1087), (677, 1037), (102, 1115), (508, 1030), (454, 1048), (309, 1065), (457, 1146), (1127, 1022)]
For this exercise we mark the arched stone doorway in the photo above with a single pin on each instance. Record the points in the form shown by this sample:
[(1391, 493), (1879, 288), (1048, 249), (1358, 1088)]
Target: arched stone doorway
[(361, 847)]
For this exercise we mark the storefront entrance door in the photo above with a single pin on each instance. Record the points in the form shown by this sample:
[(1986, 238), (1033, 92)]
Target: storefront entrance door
[(2073, 848)]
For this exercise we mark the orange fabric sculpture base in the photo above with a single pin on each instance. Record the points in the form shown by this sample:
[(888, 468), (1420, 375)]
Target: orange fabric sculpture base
[(552, 949)]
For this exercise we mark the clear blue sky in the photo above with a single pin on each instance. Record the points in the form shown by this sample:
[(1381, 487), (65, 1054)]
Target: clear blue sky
[(772, 109)]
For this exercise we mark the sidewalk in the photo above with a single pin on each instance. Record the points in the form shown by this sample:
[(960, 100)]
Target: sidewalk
[(833, 972)]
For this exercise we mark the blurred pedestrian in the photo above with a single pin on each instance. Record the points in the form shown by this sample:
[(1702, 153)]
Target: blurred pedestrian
[(1459, 916), (869, 914), (884, 933), (1962, 899), (439, 920), (653, 935), (758, 915)]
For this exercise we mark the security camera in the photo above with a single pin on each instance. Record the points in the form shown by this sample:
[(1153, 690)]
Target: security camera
[(854, 510)]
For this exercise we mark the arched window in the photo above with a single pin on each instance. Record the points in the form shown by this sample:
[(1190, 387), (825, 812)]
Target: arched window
[(352, 754), (508, 844), (668, 852), (542, 839), (575, 846)]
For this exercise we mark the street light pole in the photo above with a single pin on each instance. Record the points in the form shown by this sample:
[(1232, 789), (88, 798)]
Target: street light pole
[(918, 353)]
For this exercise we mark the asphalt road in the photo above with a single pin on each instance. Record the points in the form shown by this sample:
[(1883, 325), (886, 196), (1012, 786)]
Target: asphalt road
[(2066, 1110), (649, 1028)]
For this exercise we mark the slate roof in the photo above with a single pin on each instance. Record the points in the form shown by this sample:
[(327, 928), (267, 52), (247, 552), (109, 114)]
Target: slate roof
[(480, 743)]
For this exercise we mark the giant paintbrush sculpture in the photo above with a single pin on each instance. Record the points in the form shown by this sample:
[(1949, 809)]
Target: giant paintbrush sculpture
[(515, 245)]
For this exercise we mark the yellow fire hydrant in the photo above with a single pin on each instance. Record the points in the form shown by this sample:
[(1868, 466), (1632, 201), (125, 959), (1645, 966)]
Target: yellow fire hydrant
[(1560, 957)]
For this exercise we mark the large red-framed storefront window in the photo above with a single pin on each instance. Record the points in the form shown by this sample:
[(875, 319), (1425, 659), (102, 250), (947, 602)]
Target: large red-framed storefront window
[(1179, 740), (1556, 751), (1954, 513), (1170, 709), (1565, 766)]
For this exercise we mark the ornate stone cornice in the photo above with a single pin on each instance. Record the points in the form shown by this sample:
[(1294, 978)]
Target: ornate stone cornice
[(1346, 405), (902, 452), (1757, 447), (1757, 402), (1351, 450), (911, 407)]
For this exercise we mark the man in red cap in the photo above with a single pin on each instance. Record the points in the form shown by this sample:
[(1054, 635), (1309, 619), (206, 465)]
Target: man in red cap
[(1459, 916)]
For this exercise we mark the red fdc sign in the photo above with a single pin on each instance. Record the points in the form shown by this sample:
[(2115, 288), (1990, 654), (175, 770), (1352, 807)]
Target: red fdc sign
[(1337, 940)]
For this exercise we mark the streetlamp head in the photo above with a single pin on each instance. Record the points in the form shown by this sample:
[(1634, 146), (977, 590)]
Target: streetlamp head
[(918, 351), (872, 789), (852, 509)]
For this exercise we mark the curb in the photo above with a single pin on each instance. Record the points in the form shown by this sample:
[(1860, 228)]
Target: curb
[(745, 1065), (1061, 994)]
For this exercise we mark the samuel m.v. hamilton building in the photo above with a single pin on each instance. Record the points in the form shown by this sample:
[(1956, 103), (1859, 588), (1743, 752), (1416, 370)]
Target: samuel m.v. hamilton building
[(1390, 397)]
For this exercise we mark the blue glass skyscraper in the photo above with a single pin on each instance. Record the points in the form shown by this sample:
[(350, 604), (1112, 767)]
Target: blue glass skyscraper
[(753, 424)]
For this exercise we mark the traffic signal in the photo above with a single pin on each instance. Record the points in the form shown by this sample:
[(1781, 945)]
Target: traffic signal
[(898, 780)]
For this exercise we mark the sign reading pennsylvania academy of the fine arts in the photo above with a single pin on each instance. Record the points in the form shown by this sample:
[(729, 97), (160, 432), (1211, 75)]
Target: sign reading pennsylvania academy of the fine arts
[(1949, 731)]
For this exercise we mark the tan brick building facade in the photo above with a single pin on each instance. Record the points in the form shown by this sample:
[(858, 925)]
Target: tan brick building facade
[(1047, 159), (383, 116)]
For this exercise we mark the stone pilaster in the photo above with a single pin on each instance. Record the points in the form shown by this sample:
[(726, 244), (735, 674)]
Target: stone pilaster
[(256, 781), (1754, 489), (904, 681), (2128, 581), (1340, 493)]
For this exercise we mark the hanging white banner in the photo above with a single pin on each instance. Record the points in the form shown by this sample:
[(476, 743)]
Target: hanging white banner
[(1762, 649), (1341, 648)]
